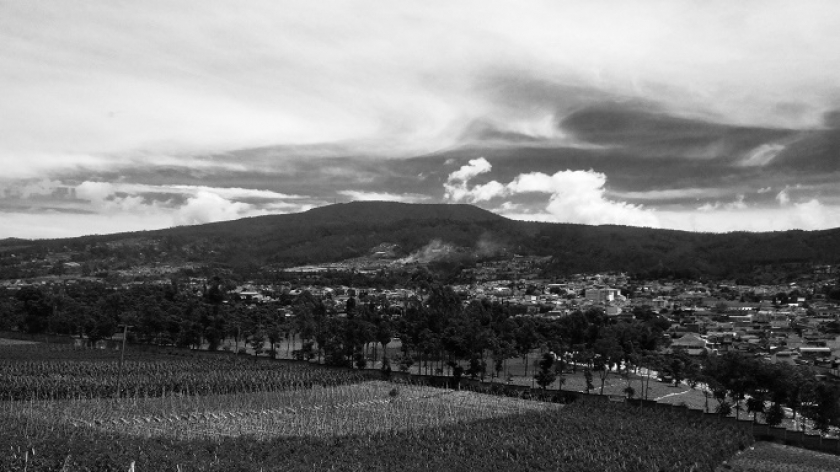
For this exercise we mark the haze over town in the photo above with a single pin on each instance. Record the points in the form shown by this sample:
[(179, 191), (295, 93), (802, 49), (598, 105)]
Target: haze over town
[(706, 116)]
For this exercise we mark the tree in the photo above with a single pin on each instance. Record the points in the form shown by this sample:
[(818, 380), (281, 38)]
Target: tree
[(608, 354), (651, 361), (477, 368), (37, 309), (274, 334), (11, 316), (100, 326), (358, 334), (560, 370), (774, 415), (676, 369), (501, 351), (824, 408), (384, 334), (755, 405), (527, 339), (587, 375), (257, 341), (732, 376), (546, 374)]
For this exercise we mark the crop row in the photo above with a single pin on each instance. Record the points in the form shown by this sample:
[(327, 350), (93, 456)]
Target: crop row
[(769, 457), (157, 375), (348, 409), (578, 437), (69, 352)]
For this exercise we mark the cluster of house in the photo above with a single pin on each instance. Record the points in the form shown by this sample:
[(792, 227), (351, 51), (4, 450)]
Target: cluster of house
[(793, 335), (791, 323), (704, 318), (515, 268)]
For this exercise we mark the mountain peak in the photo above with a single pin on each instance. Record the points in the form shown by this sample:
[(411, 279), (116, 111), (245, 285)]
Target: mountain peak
[(382, 211)]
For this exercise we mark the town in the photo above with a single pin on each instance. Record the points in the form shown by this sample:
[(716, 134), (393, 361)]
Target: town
[(795, 321)]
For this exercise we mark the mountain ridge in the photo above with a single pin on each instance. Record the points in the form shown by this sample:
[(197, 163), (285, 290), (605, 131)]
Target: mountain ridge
[(348, 230)]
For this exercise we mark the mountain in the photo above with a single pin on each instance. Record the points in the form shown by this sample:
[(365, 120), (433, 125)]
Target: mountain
[(337, 232), (372, 213)]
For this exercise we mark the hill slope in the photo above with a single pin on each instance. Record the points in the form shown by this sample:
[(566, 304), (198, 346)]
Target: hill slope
[(342, 231)]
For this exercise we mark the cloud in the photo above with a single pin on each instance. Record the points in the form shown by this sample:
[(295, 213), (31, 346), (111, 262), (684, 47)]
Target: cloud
[(358, 195), (762, 155), (738, 204), (581, 197), (457, 189), (122, 206), (574, 196), (38, 188), (831, 119), (474, 168), (214, 94), (203, 75), (671, 194), (102, 191), (61, 225), (783, 197), (205, 207), (808, 215)]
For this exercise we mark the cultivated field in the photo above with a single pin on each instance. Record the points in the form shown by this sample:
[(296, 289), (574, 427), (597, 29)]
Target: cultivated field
[(770, 457), (364, 408), (14, 342), (186, 411), (51, 372)]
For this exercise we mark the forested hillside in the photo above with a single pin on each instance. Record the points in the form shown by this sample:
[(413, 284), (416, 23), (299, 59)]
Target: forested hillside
[(343, 231)]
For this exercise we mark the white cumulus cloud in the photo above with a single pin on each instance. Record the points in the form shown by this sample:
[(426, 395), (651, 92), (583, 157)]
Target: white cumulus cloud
[(457, 186), (205, 207), (574, 196)]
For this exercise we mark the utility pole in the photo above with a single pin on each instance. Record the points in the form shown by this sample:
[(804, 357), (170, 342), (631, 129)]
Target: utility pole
[(122, 359)]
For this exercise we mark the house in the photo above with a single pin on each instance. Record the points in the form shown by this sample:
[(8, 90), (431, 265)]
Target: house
[(691, 343), (814, 351), (785, 357), (502, 291)]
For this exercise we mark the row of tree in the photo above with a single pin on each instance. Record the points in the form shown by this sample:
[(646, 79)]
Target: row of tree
[(440, 333)]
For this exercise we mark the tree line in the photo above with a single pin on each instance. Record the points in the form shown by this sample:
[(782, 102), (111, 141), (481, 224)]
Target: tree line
[(439, 332)]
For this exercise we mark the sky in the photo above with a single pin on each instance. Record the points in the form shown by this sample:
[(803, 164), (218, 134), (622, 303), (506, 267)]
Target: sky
[(710, 116)]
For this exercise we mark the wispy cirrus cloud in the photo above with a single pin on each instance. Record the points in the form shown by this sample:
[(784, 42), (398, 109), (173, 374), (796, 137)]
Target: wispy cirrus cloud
[(762, 155)]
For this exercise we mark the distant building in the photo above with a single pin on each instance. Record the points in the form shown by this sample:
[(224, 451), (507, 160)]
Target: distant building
[(601, 295), (691, 343)]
